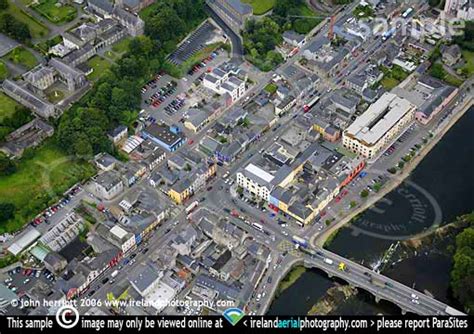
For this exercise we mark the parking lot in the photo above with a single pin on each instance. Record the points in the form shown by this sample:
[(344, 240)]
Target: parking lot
[(194, 43), (171, 109), (22, 279)]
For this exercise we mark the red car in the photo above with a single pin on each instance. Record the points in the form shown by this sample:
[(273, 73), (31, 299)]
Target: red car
[(338, 199), (190, 141)]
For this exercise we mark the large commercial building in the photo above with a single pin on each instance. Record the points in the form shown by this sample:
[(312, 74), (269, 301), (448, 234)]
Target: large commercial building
[(379, 125), (170, 138), (232, 12)]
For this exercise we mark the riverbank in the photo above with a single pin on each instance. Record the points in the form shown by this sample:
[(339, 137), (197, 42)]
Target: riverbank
[(320, 240), (334, 297), (289, 279)]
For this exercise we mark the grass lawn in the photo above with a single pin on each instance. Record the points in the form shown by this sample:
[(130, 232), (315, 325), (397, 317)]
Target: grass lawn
[(55, 12), (42, 176), (452, 80), (7, 106), (121, 46), (389, 83), (309, 20), (197, 57), (55, 96), (271, 88), (260, 6), (3, 71), (22, 56), (99, 65), (146, 12), (469, 58), (111, 55), (37, 29)]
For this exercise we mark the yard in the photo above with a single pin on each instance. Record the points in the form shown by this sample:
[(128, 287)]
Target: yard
[(392, 76), (468, 57), (37, 29), (7, 107), (55, 12), (121, 46), (23, 57), (3, 71), (42, 176), (99, 65), (271, 88), (260, 6)]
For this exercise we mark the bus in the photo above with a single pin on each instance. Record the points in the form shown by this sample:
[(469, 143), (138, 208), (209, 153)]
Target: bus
[(407, 13), (192, 206), (307, 107), (300, 241), (257, 227)]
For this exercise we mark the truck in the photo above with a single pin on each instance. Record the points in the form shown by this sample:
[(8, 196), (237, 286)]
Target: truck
[(389, 33), (300, 241), (114, 274), (257, 227), (376, 281), (328, 261), (192, 206), (407, 13)]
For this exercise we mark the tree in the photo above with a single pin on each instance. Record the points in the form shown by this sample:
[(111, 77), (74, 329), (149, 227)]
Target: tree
[(364, 193), (437, 71), (7, 167), (7, 211), (10, 26), (462, 274), (3, 4)]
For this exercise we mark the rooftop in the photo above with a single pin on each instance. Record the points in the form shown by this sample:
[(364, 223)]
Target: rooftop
[(379, 118)]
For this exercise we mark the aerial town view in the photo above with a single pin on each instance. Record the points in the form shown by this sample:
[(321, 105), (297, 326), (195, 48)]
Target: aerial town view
[(235, 160)]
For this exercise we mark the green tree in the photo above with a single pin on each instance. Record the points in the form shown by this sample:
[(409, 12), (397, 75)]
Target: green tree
[(462, 274), (364, 193), (3, 4), (437, 71), (7, 167), (7, 211)]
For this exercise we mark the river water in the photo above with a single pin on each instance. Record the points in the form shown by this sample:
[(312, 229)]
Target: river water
[(438, 190)]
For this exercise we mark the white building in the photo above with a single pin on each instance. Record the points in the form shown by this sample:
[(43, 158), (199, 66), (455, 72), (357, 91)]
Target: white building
[(107, 185), (124, 239), (379, 125), (256, 181), (221, 82)]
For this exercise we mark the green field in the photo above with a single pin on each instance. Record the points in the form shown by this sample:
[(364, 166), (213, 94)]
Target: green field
[(3, 71), (389, 83), (271, 88), (99, 65), (42, 176), (260, 6), (7, 106), (37, 29), (111, 55), (121, 46), (469, 59), (55, 12), (23, 57), (54, 96)]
